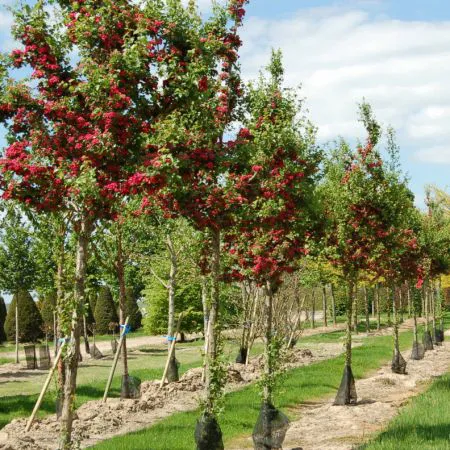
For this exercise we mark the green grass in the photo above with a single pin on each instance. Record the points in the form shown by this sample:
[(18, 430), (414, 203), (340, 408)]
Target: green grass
[(6, 361), (241, 408), (423, 424)]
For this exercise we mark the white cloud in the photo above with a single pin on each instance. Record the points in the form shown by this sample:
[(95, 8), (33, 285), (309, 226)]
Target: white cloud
[(436, 155), (340, 56)]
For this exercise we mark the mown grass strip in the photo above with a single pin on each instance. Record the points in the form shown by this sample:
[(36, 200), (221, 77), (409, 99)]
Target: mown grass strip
[(423, 424), (241, 408)]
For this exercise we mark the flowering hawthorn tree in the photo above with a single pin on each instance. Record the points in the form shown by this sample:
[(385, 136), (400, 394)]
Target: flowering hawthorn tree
[(356, 222), (81, 129), (192, 144), (400, 255), (275, 218)]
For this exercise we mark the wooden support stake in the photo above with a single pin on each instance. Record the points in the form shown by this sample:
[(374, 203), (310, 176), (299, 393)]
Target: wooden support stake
[(116, 358), (45, 387), (172, 349)]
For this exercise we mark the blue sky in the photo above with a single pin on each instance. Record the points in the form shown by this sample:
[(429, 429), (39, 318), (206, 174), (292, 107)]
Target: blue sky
[(395, 53)]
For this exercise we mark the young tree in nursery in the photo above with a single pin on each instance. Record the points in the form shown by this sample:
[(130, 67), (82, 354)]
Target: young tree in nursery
[(80, 132), (174, 241), (191, 144), (277, 215), (434, 239), (47, 307), (18, 269), (105, 311), (29, 318), (114, 246), (399, 253), (352, 199)]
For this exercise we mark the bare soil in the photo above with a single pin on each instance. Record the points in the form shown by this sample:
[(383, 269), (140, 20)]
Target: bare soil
[(97, 421)]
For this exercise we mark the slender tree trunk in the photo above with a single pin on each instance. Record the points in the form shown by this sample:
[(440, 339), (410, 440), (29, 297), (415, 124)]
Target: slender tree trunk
[(120, 270), (205, 306), (268, 353), (172, 374), (377, 297), (71, 359), (400, 300), (85, 335), (373, 304), (17, 330), (366, 305), (389, 306), (408, 294), (395, 314), (433, 306), (324, 306), (248, 307), (59, 309), (55, 333), (313, 314), (355, 309), (251, 337), (214, 325), (333, 304), (348, 337)]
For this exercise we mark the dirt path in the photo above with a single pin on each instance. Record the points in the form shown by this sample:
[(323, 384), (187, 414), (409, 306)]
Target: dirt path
[(327, 427)]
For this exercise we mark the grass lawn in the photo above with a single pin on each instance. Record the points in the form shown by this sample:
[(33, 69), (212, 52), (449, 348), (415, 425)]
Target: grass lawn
[(241, 408), (423, 424)]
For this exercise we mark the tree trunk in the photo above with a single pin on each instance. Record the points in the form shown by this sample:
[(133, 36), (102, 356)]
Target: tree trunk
[(355, 309), (333, 304), (120, 269), (408, 294), (248, 308), (373, 306), (348, 337), (377, 297), (208, 434), (60, 309), (313, 313), (347, 390), (324, 306), (433, 307), (72, 356), (214, 326), (17, 330), (172, 374), (395, 313), (85, 336), (366, 305), (389, 306), (268, 353), (205, 307)]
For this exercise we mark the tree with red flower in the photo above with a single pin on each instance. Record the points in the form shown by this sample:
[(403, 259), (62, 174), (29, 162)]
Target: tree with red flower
[(276, 216), (356, 222), (105, 75)]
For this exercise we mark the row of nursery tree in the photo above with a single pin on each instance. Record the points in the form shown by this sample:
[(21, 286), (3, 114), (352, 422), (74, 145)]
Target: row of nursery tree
[(38, 320), (139, 158)]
